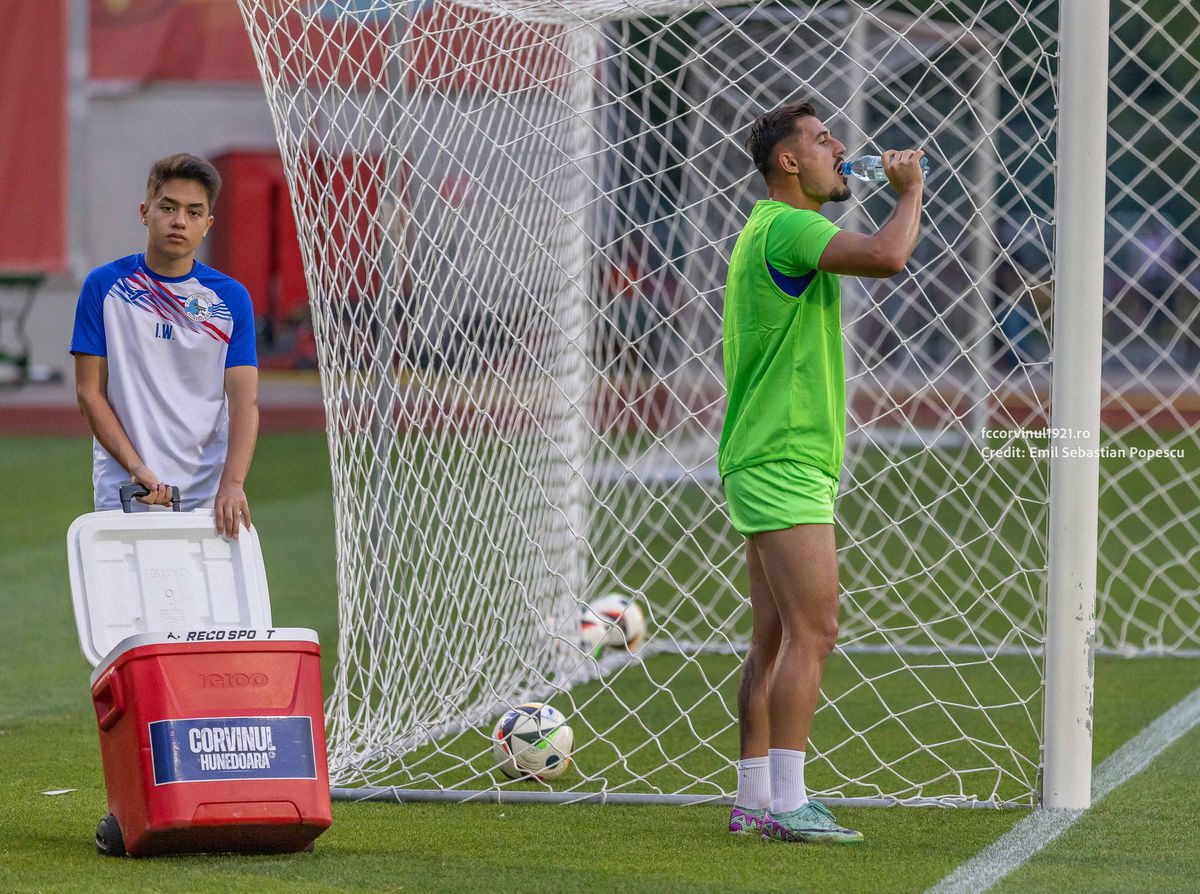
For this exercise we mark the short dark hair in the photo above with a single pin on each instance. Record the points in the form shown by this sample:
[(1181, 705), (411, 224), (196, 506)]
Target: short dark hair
[(771, 127), (183, 166)]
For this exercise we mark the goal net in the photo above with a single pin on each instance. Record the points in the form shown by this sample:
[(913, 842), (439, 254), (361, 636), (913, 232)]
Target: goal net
[(516, 217)]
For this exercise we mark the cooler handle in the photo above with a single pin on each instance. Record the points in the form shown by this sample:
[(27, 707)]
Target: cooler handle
[(129, 491), (108, 701)]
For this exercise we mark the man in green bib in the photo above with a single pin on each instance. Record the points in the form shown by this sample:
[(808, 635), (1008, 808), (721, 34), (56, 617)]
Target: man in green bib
[(783, 439)]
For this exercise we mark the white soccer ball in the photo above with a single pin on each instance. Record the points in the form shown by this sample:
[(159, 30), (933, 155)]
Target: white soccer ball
[(532, 740), (593, 631), (612, 620)]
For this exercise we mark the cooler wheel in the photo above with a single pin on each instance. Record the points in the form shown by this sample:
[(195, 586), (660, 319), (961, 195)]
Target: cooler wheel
[(108, 838)]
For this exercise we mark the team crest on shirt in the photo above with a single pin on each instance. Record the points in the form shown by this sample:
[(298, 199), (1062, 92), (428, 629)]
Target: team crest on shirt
[(198, 307)]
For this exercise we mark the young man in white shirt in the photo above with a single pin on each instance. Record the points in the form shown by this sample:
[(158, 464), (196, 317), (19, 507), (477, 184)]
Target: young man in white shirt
[(166, 369)]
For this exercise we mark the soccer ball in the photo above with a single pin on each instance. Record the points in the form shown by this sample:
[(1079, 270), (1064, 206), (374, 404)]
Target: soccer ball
[(592, 630), (532, 740), (612, 620)]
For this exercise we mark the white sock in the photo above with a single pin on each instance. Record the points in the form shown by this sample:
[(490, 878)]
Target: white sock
[(754, 783), (787, 780)]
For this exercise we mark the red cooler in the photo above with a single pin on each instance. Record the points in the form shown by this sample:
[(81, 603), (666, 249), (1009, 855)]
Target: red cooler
[(211, 721), (214, 744)]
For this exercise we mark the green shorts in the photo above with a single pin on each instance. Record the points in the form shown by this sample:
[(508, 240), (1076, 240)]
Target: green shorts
[(779, 495)]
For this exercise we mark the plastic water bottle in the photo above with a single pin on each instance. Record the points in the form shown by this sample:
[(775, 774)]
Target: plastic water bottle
[(870, 168)]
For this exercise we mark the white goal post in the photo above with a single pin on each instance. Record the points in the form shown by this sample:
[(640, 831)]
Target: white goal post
[(515, 217)]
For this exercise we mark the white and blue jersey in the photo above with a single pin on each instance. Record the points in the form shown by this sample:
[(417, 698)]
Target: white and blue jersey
[(168, 341)]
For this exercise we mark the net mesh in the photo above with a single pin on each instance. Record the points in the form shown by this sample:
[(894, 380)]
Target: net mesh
[(516, 219), (1149, 601)]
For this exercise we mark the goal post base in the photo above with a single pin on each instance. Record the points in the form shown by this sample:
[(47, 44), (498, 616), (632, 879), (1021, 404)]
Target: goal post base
[(499, 796)]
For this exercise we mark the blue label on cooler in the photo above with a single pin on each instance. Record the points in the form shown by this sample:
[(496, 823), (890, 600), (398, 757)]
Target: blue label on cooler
[(216, 749)]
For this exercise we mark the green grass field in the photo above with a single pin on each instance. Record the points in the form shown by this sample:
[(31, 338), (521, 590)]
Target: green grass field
[(1138, 837)]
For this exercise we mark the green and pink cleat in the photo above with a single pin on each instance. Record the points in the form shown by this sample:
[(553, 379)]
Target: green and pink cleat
[(810, 823), (746, 821)]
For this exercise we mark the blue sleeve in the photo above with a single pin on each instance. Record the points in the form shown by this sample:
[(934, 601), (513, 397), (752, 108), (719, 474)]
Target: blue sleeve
[(88, 334), (243, 347)]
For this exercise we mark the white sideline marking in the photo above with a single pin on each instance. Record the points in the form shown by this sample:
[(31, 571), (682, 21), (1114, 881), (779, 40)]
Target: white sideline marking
[(1037, 830)]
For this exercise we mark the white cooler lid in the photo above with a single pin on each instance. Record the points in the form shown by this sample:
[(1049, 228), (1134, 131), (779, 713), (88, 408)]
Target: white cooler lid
[(144, 572)]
